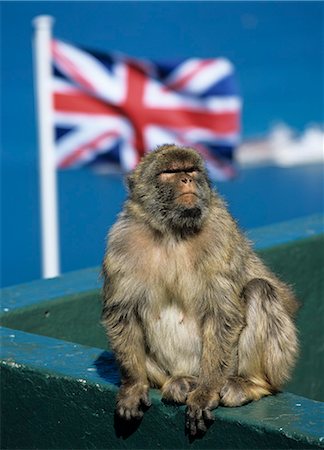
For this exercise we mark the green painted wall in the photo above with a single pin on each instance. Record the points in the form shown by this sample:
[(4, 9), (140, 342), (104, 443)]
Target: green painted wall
[(302, 265), (74, 318)]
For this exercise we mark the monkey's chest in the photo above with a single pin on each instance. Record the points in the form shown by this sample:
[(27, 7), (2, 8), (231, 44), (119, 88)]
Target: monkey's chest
[(174, 341)]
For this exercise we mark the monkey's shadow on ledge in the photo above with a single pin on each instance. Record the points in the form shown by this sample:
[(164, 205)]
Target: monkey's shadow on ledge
[(125, 428), (107, 369)]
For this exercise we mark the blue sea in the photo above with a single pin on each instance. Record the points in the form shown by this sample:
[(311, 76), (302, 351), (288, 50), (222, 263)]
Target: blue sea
[(277, 48)]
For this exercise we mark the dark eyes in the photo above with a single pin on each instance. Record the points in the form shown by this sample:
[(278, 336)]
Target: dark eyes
[(189, 170)]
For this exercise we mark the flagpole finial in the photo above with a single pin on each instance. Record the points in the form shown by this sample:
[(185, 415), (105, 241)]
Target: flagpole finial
[(43, 21)]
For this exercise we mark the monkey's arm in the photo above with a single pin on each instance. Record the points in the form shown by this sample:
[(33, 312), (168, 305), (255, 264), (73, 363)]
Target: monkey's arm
[(220, 332), (127, 341)]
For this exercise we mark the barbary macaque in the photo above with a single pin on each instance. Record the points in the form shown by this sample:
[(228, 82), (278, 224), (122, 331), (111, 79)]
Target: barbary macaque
[(189, 308)]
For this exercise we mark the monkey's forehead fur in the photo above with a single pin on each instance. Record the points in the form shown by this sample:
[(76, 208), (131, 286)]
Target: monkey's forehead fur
[(171, 157)]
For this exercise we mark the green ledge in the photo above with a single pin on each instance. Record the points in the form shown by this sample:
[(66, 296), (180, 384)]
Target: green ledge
[(61, 395), (59, 381)]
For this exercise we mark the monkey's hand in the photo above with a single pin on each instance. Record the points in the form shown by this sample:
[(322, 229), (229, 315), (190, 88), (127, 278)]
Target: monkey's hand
[(131, 400), (200, 402)]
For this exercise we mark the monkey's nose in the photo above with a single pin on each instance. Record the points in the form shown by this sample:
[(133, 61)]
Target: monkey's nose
[(186, 180)]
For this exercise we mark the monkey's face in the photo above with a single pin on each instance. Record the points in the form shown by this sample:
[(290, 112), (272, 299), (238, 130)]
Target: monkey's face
[(173, 188)]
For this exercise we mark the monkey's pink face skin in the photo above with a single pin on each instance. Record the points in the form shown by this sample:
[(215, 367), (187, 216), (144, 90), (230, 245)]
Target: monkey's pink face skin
[(184, 184), (171, 175)]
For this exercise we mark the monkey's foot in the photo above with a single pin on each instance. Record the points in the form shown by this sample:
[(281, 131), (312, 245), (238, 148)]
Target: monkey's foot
[(238, 391), (200, 403), (176, 389), (131, 401)]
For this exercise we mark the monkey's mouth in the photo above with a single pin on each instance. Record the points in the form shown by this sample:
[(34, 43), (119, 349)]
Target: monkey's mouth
[(188, 193), (188, 200)]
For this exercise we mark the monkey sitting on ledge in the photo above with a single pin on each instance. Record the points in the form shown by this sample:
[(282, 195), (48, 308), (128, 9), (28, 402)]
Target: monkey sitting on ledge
[(189, 308)]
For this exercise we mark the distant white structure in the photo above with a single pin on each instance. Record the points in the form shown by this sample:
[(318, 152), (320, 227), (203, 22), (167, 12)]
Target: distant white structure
[(283, 148)]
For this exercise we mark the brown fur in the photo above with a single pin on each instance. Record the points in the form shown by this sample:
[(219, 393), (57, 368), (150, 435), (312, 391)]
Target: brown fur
[(188, 306)]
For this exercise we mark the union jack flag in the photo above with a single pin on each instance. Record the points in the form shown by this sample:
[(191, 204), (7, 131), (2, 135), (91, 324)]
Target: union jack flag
[(112, 108)]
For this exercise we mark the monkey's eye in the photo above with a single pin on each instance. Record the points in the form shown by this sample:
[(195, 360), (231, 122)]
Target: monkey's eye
[(189, 170), (169, 174)]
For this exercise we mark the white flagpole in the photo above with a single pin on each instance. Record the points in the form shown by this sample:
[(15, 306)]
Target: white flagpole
[(47, 166)]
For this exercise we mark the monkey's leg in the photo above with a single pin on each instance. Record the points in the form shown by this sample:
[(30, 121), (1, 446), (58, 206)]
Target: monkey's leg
[(215, 356), (176, 389), (238, 391), (127, 341), (155, 374), (267, 346)]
